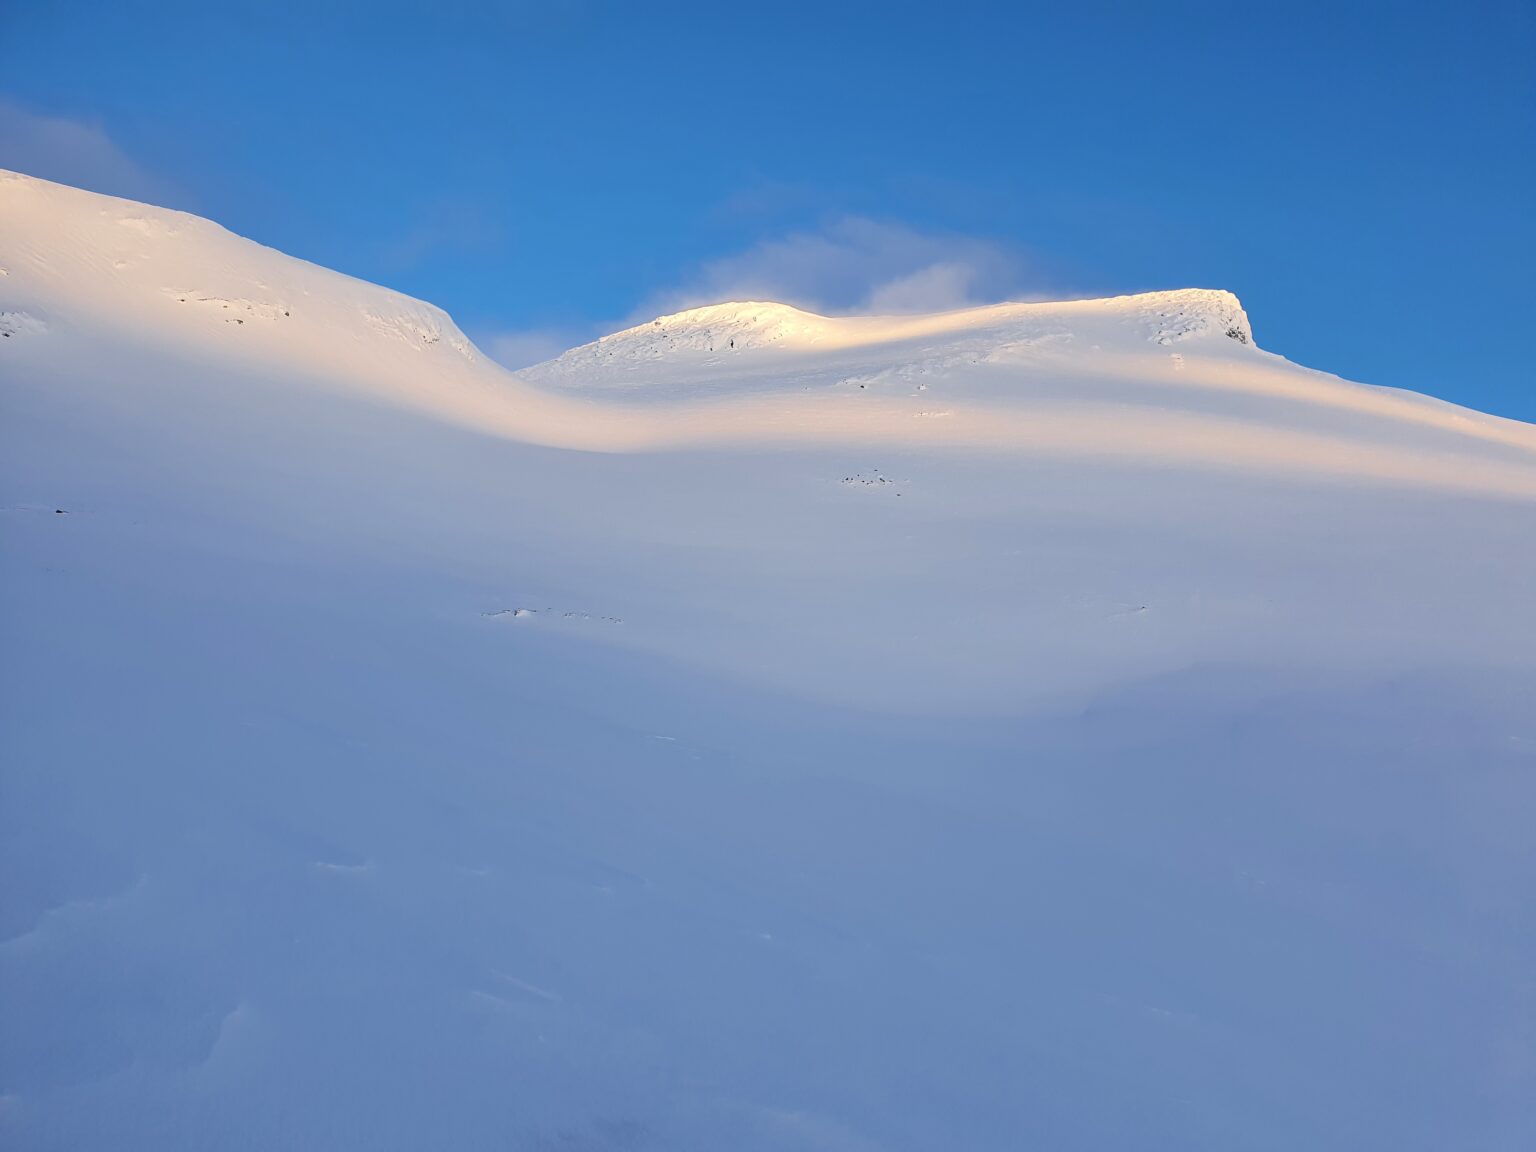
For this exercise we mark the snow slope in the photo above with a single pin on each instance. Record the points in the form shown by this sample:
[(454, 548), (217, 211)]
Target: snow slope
[(1045, 725)]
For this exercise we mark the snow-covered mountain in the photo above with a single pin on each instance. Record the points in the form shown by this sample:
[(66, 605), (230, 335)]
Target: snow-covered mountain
[(1045, 725)]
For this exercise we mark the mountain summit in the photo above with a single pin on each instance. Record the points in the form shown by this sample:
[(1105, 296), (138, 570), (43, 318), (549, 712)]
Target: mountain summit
[(1164, 318)]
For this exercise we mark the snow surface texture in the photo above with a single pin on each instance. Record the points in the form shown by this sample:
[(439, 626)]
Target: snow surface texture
[(1042, 726)]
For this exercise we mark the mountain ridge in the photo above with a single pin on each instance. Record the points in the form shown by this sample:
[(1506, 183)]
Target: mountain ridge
[(1168, 377), (740, 326)]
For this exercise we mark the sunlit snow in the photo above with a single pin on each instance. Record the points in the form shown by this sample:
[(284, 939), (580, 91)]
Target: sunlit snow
[(1058, 726)]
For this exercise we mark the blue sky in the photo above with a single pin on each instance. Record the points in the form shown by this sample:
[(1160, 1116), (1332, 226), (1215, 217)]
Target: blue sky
[(1362, 175)]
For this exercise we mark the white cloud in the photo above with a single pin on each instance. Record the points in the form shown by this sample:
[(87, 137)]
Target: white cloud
[(854, 264), (76, 152), (931, 289)]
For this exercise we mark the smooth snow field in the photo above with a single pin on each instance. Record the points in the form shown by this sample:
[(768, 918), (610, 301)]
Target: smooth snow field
[(1043, 726)]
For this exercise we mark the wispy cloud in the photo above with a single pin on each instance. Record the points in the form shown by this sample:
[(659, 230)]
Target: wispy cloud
[(856, 264), (850, 265), (77, 152)]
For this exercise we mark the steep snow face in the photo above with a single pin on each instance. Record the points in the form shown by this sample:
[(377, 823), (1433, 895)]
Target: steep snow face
[(1047, 725), (97, 262)]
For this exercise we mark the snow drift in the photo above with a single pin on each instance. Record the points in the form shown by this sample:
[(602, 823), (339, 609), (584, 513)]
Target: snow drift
[(1044, 725)]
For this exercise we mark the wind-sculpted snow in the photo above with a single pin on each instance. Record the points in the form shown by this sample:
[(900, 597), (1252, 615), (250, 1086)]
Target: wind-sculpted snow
[(705, 337), (1087, 378), (1001, 729)]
